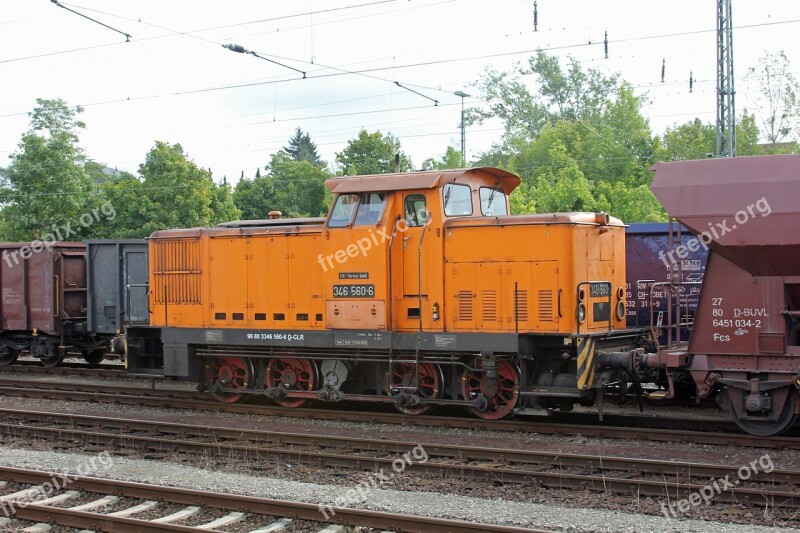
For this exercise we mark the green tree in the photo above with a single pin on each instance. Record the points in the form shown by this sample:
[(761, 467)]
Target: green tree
[(45, 185), (255, 198), (222, 204), (697, 140), (577, 138), (295, 188), (629, 203), (619, 145), (560, 94), (179, 194), (299, 186), (691, 140), (775, 96), (747, 134), (125, 192), (450, 159), (302, 149), (371, 153), (562, 186), (521, 200)]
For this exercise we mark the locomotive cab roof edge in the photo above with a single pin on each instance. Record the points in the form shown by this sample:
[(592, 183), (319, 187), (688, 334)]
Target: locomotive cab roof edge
[(416, 180)]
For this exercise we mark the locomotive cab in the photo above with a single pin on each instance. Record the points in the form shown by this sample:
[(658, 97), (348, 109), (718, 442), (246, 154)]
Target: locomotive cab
[(383, 244)]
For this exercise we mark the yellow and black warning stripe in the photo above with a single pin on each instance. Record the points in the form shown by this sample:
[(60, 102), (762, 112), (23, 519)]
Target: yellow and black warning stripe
[(585, 374)]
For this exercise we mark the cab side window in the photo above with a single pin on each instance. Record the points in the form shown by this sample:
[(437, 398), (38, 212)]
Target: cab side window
[(416, 213), (343, 209)]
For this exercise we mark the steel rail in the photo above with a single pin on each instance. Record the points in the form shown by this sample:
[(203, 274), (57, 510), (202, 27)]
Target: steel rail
[(218, 500)]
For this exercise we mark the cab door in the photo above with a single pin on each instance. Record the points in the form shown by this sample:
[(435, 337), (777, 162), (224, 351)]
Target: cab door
[(415, 216), (415, 263)]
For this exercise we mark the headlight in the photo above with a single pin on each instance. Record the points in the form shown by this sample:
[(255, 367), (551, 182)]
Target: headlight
[(581, 313), (620, 310)]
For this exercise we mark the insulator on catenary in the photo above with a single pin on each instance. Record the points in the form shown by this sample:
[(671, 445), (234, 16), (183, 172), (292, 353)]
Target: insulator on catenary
[(605, 43), (535, 16), (235, 47), (663, 68), (691, 81)]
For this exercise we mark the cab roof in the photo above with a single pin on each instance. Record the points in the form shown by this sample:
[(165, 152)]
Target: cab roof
[(419, 180)]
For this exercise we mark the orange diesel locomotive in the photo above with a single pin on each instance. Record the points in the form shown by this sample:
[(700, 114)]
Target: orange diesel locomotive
[(417, 289)]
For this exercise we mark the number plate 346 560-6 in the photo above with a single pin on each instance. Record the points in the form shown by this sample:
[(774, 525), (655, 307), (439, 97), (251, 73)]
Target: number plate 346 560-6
[(360, 290)]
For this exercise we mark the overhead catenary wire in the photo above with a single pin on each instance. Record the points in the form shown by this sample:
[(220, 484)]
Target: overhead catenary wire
[(242, 50), (62, 6), (279, 81), (260, 21), (435, 102)]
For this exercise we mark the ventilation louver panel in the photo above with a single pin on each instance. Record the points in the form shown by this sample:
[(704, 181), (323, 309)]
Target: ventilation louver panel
[(177, 272)]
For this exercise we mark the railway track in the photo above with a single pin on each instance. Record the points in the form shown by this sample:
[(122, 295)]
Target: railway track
[(68, 368), (621, 427), (125, 507), (643, 477)]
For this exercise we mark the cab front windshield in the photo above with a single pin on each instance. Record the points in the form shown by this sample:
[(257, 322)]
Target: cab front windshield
[(493, 202)]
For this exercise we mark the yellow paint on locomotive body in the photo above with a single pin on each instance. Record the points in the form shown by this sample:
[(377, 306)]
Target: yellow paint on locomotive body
[(431, 251)]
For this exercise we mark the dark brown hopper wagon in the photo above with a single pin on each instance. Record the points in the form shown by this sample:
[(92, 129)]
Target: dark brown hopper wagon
[(745, 343)]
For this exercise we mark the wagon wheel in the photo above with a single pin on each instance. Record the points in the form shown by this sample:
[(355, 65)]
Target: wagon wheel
[(292, 374), (8, 355), (228, 372), (53, 355), (430, 384), (501, 393), (94, 357), (766, 428)]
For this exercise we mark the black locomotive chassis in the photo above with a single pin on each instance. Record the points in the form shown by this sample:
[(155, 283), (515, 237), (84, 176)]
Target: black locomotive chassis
[(184, 349)]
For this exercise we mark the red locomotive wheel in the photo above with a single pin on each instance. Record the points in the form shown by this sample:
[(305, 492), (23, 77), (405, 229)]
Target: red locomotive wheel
[(292, 374), (229, 373), (501, 393), (430, 384)]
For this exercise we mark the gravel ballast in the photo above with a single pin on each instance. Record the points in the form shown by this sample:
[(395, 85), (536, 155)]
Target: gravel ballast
[(411, 502)]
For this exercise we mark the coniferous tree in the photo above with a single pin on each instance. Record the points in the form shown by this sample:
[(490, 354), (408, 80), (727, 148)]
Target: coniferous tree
[(301, 148)]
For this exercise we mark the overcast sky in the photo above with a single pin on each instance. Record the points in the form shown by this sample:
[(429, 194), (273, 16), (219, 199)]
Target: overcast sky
[(174, 82)]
